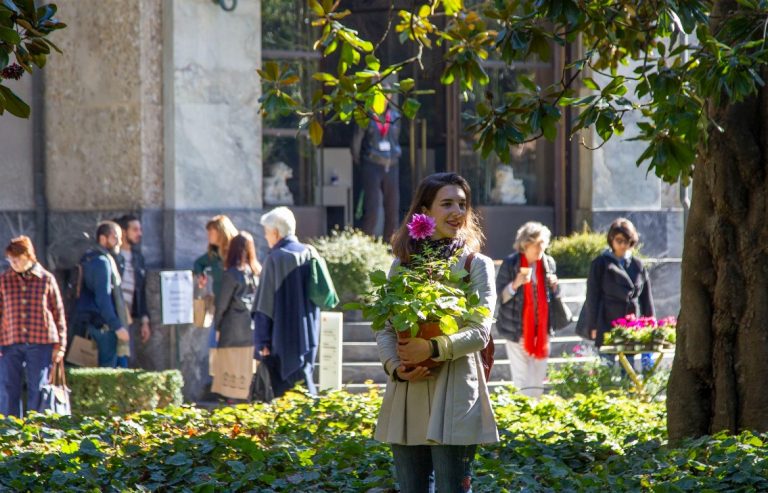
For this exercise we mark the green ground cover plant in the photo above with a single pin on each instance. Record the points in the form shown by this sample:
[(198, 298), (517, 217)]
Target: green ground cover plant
[(602, 442)]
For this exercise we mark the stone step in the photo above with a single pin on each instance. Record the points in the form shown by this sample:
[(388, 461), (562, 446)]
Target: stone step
[(362, 351), (573, 287)]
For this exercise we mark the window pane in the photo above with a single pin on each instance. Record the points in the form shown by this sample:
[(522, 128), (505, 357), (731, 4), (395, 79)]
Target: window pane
[(298, 154), (531, 162)]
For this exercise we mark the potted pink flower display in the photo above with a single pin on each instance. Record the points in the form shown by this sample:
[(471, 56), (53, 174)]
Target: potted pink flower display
[(642, 332)]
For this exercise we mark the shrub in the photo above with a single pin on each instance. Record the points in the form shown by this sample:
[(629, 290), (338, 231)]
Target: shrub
[(574, 254), (109, 391), (351, 255)]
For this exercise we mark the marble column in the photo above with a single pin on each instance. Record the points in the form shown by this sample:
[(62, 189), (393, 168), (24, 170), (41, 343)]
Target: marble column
[(212, 121)]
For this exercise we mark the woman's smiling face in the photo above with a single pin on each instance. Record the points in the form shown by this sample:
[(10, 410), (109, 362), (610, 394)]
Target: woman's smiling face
[(449, 210)]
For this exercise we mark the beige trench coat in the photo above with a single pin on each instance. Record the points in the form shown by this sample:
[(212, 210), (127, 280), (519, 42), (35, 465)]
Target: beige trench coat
[(453, 406)]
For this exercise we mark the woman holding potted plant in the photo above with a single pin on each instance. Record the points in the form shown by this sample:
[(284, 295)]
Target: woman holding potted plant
[(434, 417)]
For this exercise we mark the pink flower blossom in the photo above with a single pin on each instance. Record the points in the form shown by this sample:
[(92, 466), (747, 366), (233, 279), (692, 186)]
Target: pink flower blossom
[(421, 227)]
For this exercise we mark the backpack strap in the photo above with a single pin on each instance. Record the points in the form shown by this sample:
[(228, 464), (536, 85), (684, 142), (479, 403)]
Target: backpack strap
[(468, 265)]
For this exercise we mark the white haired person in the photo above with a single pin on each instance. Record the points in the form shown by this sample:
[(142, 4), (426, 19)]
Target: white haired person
[(525, 284), (286, 321)]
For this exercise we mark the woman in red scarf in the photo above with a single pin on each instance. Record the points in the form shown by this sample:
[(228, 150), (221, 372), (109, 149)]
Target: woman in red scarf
[(525, 283)]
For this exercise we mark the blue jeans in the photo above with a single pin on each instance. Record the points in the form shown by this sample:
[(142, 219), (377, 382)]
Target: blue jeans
[(452, 465), (106, 341), (37, 358)]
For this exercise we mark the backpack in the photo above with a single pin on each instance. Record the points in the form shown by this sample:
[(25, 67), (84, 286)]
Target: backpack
[(488, 352), (321, 290)]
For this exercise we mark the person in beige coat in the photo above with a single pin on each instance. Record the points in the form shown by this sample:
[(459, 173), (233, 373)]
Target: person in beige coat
[(435, 418)]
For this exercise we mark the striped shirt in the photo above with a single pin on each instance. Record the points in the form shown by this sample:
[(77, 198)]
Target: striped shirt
[(31, 310)]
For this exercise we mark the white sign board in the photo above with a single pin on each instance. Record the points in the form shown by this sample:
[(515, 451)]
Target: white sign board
[(331, 324), (176, 288)]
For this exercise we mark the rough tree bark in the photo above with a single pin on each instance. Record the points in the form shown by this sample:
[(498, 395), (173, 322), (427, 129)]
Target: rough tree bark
[(719, 373)]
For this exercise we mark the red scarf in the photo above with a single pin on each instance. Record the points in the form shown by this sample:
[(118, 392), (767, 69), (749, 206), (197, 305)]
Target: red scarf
[(535, 329)]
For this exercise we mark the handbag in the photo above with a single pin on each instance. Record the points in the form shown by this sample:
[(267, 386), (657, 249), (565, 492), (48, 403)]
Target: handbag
[(261, 389), (83, 351), (55, 394), (202, 311), (233, 372), (487, 354), (559, 313)]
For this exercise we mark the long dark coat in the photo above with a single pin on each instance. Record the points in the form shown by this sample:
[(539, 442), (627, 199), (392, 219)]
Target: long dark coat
[(233, 308), (287, 322), (614, 292)]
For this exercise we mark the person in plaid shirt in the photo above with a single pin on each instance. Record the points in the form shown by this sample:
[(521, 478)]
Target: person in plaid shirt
[(33, 328)]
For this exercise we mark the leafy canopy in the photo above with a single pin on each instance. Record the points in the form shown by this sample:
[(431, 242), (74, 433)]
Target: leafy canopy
[(24, 42), (662, 59)]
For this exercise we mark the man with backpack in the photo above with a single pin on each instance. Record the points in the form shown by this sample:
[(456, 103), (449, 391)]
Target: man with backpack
[(100, 310)]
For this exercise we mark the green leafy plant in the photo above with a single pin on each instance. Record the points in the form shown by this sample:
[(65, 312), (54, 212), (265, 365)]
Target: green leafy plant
[(108, 391), (24, 30), (425, 290), (352, 256)]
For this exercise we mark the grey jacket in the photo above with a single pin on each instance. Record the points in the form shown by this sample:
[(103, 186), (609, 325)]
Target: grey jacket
[(233, 308), (509, 321), (453, 406)]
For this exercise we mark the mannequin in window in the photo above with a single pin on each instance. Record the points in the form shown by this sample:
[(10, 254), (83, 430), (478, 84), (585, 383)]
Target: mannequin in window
[(376, 157)]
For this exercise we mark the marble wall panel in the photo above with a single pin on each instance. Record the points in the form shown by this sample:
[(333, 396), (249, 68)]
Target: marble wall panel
[(16, 153), (660, 231), (665, 284), (215, 159)]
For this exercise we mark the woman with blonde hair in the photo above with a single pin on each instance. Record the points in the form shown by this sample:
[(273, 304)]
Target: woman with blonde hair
[(526, 284), (435, 418), (220, 233)]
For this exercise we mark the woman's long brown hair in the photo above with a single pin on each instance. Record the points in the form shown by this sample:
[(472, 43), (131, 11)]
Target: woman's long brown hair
[(470, 232), (227, 231), (242, 251)]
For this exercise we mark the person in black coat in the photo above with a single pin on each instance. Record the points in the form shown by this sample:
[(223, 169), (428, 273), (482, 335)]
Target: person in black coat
[(618, 285), (233, 323)]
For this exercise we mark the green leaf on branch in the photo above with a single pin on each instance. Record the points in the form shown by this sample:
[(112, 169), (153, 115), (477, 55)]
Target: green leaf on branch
[(9, 36), (316, 132), (411, 107), (14, 104)]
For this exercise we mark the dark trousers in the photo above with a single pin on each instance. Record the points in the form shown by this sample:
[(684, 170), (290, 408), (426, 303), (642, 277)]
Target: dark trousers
[(380, 183), (452, 465), (16, 360), (106, 341)]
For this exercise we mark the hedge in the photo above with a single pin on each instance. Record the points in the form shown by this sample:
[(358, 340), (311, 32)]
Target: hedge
[(107, 391)]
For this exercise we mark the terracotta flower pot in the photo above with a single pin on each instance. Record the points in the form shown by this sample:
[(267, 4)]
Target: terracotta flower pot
[(427, 330)]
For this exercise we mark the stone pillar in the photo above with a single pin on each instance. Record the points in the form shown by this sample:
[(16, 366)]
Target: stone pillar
[(104, 132), (213, 127)]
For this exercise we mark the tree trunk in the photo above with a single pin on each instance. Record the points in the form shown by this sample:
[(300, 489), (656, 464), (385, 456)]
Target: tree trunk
[(718, 379)]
